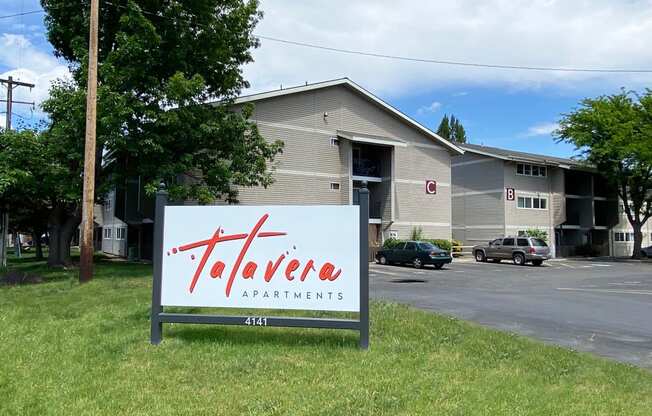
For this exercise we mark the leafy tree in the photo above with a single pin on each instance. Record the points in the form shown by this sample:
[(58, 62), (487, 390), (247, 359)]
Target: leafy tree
[(614, 134), (451, 129), (160, 61), (27, 177), (444, 129), (458, 134)]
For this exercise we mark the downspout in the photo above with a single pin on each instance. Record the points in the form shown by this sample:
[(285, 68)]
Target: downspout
[(551, 228)]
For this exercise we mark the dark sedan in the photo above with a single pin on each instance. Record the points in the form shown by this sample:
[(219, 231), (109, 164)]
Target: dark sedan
[(416, 253), (646, 252)]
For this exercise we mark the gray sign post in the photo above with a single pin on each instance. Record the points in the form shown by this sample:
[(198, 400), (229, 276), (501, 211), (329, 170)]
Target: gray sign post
[(158, 316)]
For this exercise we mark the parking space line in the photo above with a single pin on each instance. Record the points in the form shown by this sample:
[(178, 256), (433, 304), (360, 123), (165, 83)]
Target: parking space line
[(622, 291)]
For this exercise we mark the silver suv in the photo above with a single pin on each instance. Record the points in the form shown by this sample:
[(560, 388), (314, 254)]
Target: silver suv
[(518, 249)]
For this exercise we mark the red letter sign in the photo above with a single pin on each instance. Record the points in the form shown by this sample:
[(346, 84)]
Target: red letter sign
[(431, 187), (509, 194)]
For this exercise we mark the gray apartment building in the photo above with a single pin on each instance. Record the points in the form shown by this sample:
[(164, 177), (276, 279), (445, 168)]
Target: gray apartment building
[(498, 192), (336, 136)]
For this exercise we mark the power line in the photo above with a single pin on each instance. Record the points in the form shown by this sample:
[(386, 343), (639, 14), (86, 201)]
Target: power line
[(446, 62), (403, 58), (9, 16)]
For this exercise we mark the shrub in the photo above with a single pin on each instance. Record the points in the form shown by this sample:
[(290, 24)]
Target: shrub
[(392, 242), (416, 234), (536, 233), (442, 244)]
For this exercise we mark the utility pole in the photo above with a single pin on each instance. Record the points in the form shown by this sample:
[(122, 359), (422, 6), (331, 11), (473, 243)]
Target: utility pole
[(4, 215), (87, 250), (11, 84)]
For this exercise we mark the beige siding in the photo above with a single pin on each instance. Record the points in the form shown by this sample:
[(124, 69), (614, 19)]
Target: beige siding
[(296, 190), (413, 207), (527, 186), (477, 198), (309, 163)]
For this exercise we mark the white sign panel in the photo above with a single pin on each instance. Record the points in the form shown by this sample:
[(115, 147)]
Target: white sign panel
[(276, 257)]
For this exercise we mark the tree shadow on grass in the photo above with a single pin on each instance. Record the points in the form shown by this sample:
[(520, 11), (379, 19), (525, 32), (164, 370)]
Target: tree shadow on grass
[(270, 336)]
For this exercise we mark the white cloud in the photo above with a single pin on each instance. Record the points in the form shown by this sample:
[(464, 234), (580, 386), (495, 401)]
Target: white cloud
[(599, 33), (541, 129), (432, 108), (460, 94), (29, 65)]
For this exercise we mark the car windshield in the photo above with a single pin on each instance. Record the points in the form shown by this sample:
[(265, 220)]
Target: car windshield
[(537, 242), (427, 246)]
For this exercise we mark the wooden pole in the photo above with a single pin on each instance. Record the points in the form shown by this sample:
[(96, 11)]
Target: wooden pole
[(87, 249), (4, 214)]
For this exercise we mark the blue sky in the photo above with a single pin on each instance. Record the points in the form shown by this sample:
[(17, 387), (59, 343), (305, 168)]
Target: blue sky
[(502, 108)]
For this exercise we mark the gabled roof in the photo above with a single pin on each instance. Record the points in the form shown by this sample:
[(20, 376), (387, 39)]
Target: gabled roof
[(512, 155), (355, 87)]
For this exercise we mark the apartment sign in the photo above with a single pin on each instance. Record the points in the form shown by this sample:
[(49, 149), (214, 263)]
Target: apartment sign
[(509, 194), (271, 257), (431, 187)]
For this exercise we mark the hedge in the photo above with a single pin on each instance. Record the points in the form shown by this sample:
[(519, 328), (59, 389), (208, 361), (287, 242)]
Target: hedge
[(447, 245)]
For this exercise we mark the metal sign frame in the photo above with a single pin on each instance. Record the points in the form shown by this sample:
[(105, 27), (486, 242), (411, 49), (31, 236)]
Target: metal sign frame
[(159, 316)]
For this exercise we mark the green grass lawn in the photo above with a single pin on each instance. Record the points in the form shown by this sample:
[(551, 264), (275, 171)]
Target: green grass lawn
[(84, 350)]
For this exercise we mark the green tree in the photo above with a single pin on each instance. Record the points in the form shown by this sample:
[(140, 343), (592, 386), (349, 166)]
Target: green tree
[(444, 129), (160, 62), (451, 129), (614, 134), (458, 134), (27, 179)]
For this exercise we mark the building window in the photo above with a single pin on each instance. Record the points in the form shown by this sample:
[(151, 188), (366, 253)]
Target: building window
[(107, 205), (622, 237), (108, 233), (393, 234), (531, 202), (335, 186), (335, 141), (526, 169), (120, 233)]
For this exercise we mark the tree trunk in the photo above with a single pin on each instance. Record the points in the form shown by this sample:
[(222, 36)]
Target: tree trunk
[(61, 229), (38, 244), (638, 241), (17, 245)]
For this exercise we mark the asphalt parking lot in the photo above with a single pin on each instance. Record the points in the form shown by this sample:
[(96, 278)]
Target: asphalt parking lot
[(600, 307)]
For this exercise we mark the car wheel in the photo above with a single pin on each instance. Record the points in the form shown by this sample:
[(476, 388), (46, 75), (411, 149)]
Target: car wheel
[(439, 266), (382, 260), (417, 263), (479, 256), (537, 262), (519, 259)]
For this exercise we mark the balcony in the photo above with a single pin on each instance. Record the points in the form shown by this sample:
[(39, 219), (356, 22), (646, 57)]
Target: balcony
[(367, 168), (370, 162)]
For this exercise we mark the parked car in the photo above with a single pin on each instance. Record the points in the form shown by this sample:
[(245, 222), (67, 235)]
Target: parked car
[(416, 253), (518, 249), (646, 252)]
